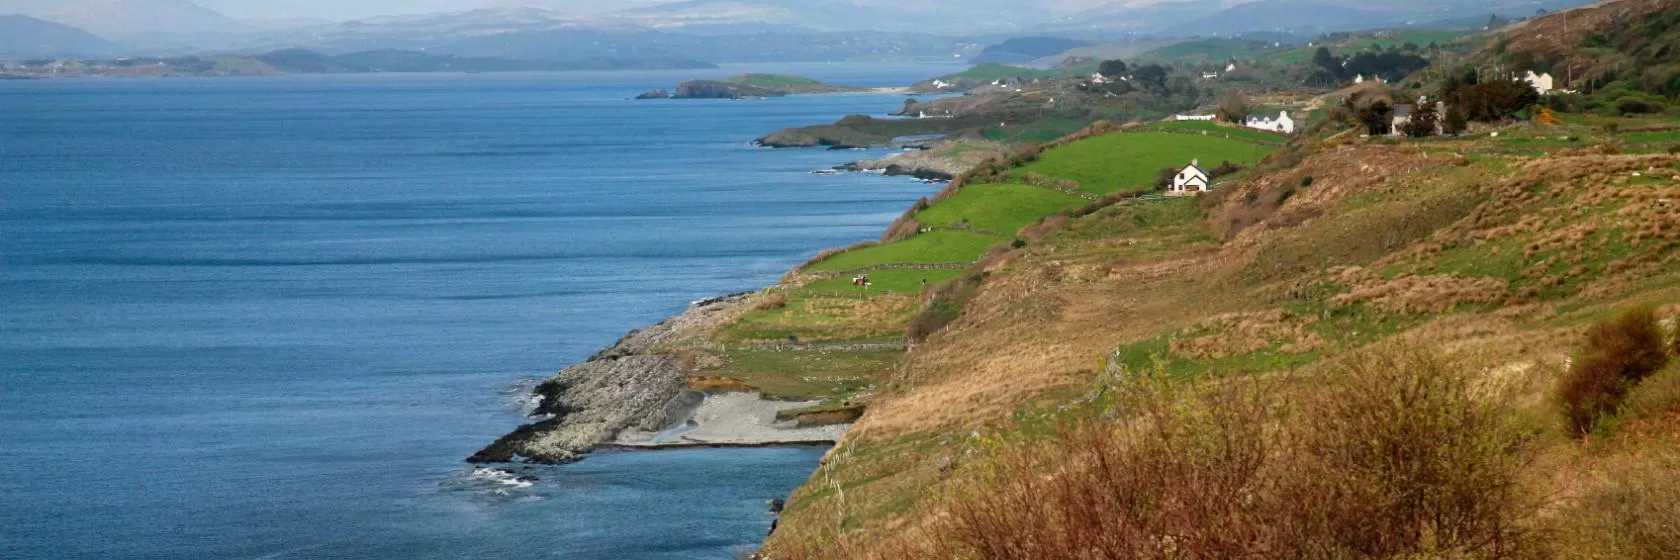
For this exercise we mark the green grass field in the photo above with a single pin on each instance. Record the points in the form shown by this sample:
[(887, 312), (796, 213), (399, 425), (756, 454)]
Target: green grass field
[(938, 247), (1216, 129), (1042, 130), (1001, 209), (1131, 160)]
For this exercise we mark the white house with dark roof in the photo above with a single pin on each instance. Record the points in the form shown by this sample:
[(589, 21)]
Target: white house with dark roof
[(1282, 123), (1191, 181)]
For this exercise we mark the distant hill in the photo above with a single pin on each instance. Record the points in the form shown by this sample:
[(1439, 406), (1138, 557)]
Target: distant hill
[(1623, 46), (24, 36), (134, 19), (1026, 49), (300, 61)]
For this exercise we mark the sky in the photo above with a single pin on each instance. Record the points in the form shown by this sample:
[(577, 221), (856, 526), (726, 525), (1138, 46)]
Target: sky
[(354, 9)]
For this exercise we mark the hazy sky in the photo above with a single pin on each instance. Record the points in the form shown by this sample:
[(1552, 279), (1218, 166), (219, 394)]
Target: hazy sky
[(353, 9)]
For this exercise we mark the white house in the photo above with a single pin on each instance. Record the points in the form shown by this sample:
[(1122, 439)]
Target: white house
[(1192, 117), (1099, 79), (1210, 75), (1282, 123), (1541, 83), (1190, 181)]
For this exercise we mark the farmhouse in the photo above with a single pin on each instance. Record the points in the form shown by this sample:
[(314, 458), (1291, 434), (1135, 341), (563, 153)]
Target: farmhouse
[(1282, 123), (1542, 83), (1190, 181), (1192, 117), (1402, 116)]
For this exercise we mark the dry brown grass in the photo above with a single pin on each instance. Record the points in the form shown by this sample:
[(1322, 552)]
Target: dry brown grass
[(1394, 454), (1419, 294)]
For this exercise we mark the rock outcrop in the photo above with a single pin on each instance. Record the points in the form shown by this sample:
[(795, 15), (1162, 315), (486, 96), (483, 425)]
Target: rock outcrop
[(630, 385)]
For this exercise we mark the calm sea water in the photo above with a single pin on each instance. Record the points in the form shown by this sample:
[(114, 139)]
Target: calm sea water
[(267, 318)]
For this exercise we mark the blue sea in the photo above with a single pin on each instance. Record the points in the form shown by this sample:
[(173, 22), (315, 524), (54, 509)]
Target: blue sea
[(268, 317)]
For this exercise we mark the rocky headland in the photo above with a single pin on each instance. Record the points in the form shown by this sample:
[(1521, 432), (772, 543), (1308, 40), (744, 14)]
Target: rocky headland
[(748, 86), (643, 392)]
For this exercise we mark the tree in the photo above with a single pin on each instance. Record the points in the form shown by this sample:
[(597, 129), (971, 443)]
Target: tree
[(1496, 100), (1234, 107), (1150, 76), (1455, 121), (1164, 178), (1372, 112), (1112, 68), (1323, 59), (1423, 121)]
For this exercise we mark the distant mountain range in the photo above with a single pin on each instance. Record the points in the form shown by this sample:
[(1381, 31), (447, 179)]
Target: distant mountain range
[(748, 30), (35, 38)]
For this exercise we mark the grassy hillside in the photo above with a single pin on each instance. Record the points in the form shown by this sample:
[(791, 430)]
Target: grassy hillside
[(998, 209), (940, 247), (1131, 160), (1275, 321)]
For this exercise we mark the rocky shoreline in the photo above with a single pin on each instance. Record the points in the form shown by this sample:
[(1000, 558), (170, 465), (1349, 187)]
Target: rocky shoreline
[(635, 394)]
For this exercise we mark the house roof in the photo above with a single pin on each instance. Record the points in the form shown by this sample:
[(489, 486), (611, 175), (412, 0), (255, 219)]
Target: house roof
[(1198, 168)]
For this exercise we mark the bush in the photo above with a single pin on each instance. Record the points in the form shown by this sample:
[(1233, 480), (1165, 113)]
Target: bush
[(1164, 178), (1396, 453), (1306, 181), (1614, 357), (771, 302), (1638, 106), (1017, 244), (1630, 513), (1675, 149), (944, 308)]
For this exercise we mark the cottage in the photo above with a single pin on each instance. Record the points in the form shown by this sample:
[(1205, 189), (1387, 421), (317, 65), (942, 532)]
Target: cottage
[(1282, 123), (1402, 116), (1542, 83), (1192, 117), (1190, 181), (1210, 75)]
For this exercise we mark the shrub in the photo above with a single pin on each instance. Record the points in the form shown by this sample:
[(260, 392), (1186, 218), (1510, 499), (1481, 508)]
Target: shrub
[(1017, 244), (1614, 357), (1224, 168), (1164, 178), (1675, 149), (1306, 181), (1395, 453), (771, 302), (1630, 513), (944, 308)]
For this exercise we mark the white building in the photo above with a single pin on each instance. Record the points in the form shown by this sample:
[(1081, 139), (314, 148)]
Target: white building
[(1190, 181), (1541, 83), (1282, 123), (1192, 117), (1210, 75)]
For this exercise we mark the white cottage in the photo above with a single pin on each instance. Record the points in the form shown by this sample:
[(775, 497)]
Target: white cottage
[(1190, 181), (1192, 117), (1282, 123), (1542, 83)]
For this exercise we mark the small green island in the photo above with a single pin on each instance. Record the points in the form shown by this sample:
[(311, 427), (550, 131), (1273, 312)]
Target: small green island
[(748, 86)]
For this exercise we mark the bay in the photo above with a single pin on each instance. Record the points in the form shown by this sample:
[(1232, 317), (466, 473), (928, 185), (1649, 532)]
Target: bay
[(268, 317)]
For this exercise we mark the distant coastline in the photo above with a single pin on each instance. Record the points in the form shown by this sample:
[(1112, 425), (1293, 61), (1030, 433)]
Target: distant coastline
[(300, 61)]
